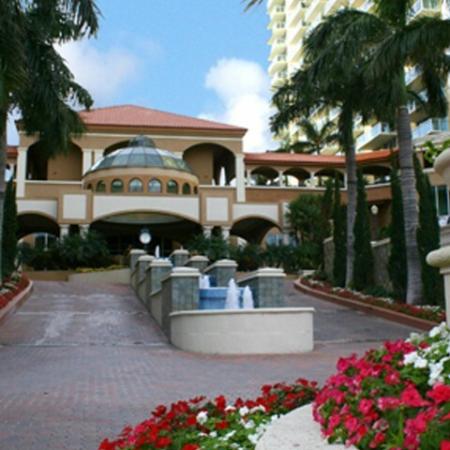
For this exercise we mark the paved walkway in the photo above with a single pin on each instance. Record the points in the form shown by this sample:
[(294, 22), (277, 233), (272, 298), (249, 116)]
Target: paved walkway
[(78, 362)]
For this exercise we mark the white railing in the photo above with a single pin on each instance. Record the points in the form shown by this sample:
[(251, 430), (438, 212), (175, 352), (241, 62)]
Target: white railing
[(431, 125), (425, 5), (372, 133)]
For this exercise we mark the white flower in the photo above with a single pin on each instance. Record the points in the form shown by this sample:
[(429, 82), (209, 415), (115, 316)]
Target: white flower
[(249, 424), (213, 434), (410, 358), (440, 330), (257, 408), (243, 411), (230, 408), (202, 417), (420, 363)]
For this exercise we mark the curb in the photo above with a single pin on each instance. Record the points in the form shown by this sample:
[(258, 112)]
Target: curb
[(16, 301), (404, 319)]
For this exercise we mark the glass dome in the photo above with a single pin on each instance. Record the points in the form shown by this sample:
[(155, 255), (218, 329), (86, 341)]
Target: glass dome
[(141, 152)]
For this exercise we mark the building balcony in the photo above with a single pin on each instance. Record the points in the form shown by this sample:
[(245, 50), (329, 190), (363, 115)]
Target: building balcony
[(367, 6), (430, 126), (412, 74), (376, 137), (425, 7)]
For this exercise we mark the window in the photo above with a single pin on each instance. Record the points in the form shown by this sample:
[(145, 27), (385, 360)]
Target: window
[(117, 186), (186, 189), (135, 185), (441, 199), (172, 187), (154, 185), (101, 186)]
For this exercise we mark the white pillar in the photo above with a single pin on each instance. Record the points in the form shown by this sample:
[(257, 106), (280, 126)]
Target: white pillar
[(207, 230), (226, 233), (21, 174), (63, 230), (98, 155), (84, 229), (312, 179), (240, 178), (280, 178), (87, 160)]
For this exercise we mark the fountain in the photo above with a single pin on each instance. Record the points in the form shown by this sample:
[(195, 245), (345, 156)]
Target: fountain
[(204, 282), (247, 299), (232, 299)]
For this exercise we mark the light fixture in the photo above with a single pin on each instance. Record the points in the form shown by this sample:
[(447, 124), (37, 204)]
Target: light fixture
[(374, 210), (145, 237)]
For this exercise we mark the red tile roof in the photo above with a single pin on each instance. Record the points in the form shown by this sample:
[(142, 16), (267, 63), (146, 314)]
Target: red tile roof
[(301, 159), (138, 116)]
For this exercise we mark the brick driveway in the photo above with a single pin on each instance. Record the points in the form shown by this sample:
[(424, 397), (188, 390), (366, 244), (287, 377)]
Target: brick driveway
[(77, 362)]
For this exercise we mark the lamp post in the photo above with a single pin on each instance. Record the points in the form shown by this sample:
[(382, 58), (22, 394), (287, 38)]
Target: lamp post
[(145, 237)]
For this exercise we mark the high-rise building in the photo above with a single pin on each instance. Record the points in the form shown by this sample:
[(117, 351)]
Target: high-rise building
[(291, 20)]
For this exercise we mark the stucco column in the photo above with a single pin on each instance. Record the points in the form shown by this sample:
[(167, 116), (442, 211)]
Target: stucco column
[(207, 230), (286, 236), (87, 160), (84, 229), (63, 230), (226, 233), (312, 179), (98, 155), (21, 174), (280, 178), (240, 178)]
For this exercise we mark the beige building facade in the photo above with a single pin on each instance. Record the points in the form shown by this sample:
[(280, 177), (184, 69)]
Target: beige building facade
[(180, 177)]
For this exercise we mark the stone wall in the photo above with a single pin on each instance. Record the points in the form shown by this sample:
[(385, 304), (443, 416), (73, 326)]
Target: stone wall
[(381, 251)]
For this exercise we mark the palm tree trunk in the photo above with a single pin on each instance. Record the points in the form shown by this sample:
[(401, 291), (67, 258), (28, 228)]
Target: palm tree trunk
[(408, 185), (3, 127), (350, 164), (348, 143)]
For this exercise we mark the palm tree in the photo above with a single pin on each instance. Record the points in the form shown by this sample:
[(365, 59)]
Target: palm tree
[(316, 137), (403, 42), (330, 80), (33, 76)]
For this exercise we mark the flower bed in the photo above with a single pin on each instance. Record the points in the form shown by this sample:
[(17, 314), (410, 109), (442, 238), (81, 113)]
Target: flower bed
[(200, 424), (430, 313), (397, 397), (11, 288)]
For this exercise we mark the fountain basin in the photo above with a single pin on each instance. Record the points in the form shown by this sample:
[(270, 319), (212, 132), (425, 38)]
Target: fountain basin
[(241, 331), (215, 297)]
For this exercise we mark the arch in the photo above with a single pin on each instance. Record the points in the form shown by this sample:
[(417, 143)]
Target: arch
[(209, 160), (300, 174), (186, 189), (172, 187), (253, 228), (44, 164), (31, 223), (89, 187), (155, 185), (324, 175), (376, 174), (264, 176), (100, 186), (166, 228), (135, 185), (123, 144), (116, 185)]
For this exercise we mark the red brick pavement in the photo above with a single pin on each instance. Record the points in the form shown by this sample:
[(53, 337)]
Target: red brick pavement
[(77, 362)]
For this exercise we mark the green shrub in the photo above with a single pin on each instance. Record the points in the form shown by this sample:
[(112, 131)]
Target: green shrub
[(9, 236), (72, 252)]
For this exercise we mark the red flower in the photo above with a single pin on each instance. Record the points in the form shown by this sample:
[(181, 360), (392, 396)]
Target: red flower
[(411, 397), (386, 403), (190, 447), (377, 440), (163, 442), (223, 425), (445, 445), (440, 393)]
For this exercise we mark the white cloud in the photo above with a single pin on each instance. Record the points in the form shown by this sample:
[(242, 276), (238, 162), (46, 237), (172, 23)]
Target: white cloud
[(102, 73), (243, 89)]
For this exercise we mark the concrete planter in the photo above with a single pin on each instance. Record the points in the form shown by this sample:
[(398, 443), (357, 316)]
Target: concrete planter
[(294, 431), (257, 331)]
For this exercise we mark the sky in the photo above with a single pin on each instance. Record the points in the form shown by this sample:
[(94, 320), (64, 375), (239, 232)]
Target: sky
[(204, 58)]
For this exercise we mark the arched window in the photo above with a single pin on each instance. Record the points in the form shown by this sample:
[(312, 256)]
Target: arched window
[(117, 186), (172, 187), (101, 186), (135, 185), (186, 189), (154, 185)]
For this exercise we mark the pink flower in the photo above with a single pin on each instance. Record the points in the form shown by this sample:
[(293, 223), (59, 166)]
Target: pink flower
[(411, 397), (386, 403), (365, 405), (440, 393)]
